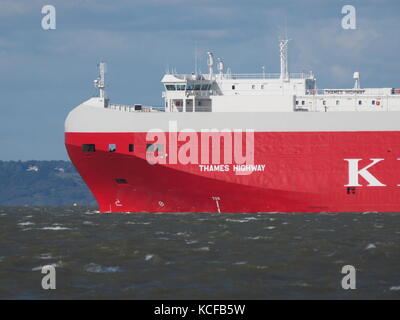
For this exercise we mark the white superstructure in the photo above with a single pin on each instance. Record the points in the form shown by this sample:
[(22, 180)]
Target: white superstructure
[(265, 92), (265, 102)]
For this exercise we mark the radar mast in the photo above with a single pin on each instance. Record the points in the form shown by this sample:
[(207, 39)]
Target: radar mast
[(100, 82)]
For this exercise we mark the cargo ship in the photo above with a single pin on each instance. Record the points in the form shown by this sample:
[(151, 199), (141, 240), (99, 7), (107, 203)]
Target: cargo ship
[(241, 143)]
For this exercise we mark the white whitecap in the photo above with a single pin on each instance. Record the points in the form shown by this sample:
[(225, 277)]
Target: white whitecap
[(27, 223), (149, 257), (203, 249), (55, 228), (143, 223), (254, 238), (191, 241), (183, 234), (234, 220)]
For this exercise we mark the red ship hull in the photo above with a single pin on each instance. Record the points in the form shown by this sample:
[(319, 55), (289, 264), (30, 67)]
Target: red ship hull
[(304, 172)]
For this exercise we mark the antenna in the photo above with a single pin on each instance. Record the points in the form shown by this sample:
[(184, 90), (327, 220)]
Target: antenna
[(286, 34), (229, 73), (100, 82), (283, 49), (220, 66), (195, 57), (211, 64)]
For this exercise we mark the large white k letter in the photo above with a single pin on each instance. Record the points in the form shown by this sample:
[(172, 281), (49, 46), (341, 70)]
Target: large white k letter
[(354, 172)]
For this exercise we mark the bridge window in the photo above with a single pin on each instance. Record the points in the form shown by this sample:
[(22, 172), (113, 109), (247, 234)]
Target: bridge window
[(190, 87), (197, 87), (131, 147), (170, 87), (89, 147), (180, 87), (112, 147)]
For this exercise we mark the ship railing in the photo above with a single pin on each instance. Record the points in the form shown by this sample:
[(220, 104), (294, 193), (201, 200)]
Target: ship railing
[(135, 108), (344, 92), (313, 92), (158, 108), (301, 75)]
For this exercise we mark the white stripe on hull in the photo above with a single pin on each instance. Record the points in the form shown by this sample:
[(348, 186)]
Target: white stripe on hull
[(91, 118)]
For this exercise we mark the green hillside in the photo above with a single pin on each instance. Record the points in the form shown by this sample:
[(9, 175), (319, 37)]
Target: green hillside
[(41, 183)]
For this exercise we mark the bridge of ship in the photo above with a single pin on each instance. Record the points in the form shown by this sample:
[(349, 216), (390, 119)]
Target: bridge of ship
[(198, 92)]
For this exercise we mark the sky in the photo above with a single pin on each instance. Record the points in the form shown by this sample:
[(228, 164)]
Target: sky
[(46, 73)]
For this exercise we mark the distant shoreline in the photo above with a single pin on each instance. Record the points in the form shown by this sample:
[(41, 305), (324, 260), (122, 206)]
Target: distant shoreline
[(42, 183)]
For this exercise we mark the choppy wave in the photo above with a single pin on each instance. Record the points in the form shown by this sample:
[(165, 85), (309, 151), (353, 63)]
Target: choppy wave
[(237, 220), (27, 223), (55, 228), (202, 249), (57, 264), (174, 256), (96, 268)]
